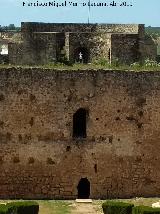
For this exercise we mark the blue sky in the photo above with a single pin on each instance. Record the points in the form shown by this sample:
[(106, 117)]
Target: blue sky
[(143, 11)]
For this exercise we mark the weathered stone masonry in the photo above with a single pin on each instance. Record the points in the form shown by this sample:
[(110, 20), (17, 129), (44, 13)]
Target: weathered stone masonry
[(44, 43), (39, 158)]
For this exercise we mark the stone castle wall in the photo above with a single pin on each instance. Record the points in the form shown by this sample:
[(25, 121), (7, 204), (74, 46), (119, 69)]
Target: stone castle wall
[(40, 159), (150, 48), (40, 49), (125, 48), (44, 48), (15, 53), (44, 43), (30, 27), (97, 45)]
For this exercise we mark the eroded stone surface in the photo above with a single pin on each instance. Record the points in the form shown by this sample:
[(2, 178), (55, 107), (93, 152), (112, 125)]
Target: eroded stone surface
[(39, 158), (44, 43)]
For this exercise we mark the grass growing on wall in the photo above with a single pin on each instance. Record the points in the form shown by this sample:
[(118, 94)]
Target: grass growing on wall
[(148, 65)]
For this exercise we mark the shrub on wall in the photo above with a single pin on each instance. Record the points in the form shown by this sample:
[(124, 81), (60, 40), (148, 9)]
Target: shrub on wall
[(115, 207), (145, 210), (101, 61)]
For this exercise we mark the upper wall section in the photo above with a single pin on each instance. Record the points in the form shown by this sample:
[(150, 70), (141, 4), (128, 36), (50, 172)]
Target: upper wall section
[(125, 48), (29, 27)]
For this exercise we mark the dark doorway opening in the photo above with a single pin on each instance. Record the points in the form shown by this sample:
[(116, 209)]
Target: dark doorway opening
[(85, 54), (79, 124), (83, 188)]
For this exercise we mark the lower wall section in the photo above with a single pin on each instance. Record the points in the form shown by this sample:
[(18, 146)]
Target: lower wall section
[(54, 170)]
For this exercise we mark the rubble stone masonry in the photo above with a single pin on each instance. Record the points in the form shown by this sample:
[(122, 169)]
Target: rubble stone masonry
[(46, 43), (39, 158)]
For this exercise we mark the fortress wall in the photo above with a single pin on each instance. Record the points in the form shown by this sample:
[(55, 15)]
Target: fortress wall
[(150, 49), (40, 159), (97, 45), (23, 53), (3, 59), (44, 42), (125, 48), (15, 53), (41, 49), (29, 27)]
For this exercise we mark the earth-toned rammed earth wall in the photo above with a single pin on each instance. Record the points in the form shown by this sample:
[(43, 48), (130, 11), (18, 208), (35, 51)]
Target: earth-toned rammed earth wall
[(119, 157)]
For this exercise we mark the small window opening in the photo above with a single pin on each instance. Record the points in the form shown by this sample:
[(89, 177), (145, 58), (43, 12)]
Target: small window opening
[(109, 54), (79, 124), (83, 188), (95, 168)]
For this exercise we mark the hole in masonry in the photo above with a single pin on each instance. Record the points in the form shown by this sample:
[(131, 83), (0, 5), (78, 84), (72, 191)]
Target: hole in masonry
[(68, 148), (95, 168)]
